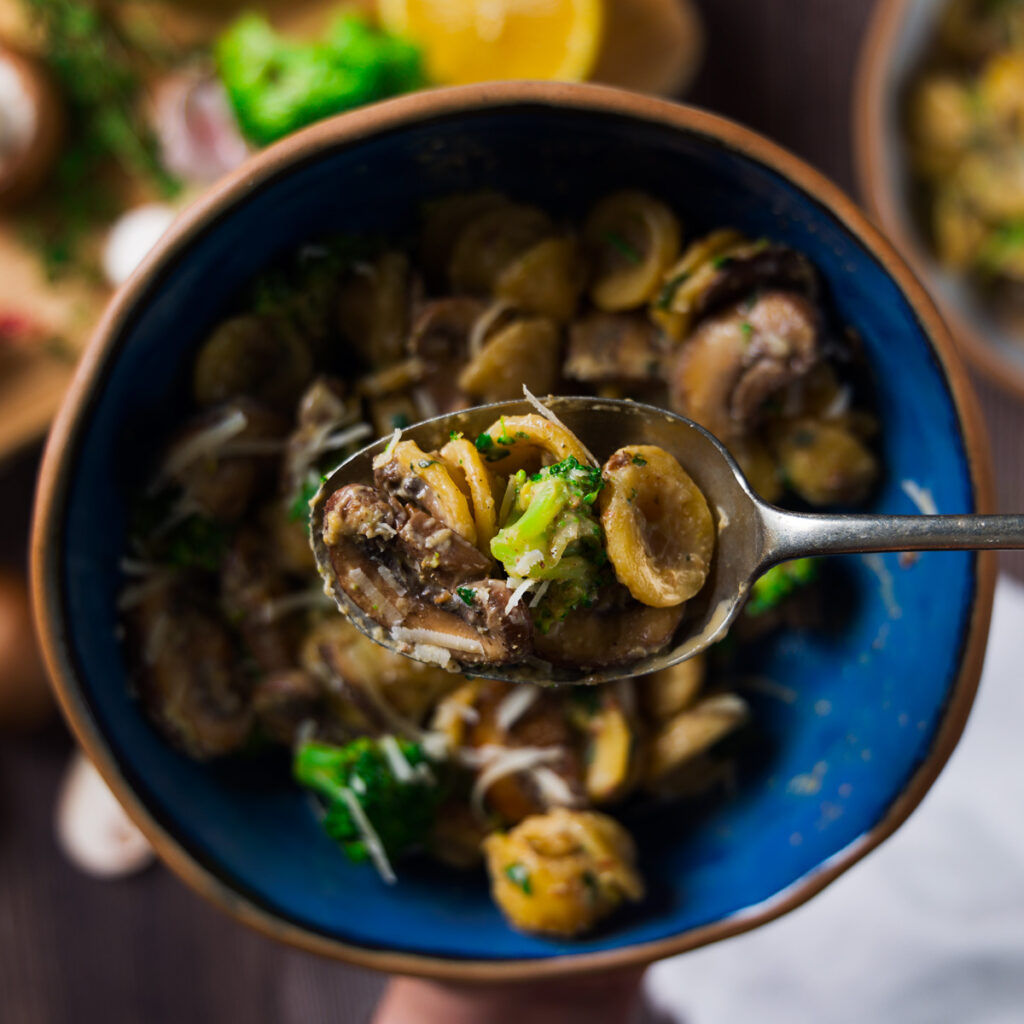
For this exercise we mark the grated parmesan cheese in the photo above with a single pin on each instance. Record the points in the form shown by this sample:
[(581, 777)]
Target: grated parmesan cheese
[(549, 415), (514, 705), (920, 496), (517, 594), (204, 442), (374, 847), (435, 637), (503, 761)]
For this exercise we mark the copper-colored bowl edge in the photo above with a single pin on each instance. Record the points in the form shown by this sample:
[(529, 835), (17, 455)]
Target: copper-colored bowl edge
[(349, 128)]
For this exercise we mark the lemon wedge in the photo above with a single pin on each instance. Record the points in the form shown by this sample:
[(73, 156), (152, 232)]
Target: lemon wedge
[(485, 40)]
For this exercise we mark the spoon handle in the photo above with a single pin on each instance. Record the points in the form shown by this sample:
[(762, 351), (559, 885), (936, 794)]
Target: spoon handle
[(795, 534)]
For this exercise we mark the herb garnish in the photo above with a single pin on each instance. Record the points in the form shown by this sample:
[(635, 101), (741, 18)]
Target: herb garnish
[(616, 240), (518, 875)]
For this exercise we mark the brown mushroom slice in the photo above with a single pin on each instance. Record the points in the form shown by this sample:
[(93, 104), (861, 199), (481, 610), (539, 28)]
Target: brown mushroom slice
[(491, 241), (605, 347), (560, 873), (824, 462), (741, 357), (439, 340), (369, 687), (411, 473), (546, 279), (588, 639), (658, 530), (691, 733), (467, 468), (251, 585), (189, 679), (632, 238), (443, 222), (255, 357), (285, 701), (522, 353), (223, 457), (373, 307), (665, 693)]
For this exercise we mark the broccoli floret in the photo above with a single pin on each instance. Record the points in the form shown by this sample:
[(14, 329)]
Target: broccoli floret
[(277, 85), (401, 812), (779, 583), (552, 534)]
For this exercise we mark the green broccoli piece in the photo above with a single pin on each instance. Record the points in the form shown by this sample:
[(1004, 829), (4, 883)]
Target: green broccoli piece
[(779, 583), (278, 85), (402, 813), (552, 534)]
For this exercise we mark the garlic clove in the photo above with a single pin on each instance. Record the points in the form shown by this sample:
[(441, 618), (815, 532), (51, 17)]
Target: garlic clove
[(131, 237), (92, 828)]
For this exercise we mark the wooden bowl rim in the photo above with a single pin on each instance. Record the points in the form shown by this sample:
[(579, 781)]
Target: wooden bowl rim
[(351, 128), (885, 206)]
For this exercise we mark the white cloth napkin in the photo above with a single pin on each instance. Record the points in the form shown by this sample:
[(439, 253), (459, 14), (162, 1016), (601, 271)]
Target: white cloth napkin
[(929, 928)]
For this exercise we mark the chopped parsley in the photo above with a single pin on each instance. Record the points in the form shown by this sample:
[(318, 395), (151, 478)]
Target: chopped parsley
[(488, 449), (455, 435), (518, 875), (619, 243), (639, 460), (468, 595), (299, 508), (426, 463), (669, 289), (747, 330)]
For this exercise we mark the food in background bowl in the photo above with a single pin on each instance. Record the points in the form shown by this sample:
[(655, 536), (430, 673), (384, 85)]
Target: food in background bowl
[(965, 128), (514, 545)]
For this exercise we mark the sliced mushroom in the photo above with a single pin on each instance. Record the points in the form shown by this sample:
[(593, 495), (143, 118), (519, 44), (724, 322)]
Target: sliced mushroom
[(403, 569), (373, 306), (588, 638), (223, 457), (739, 358), (251, 583), (615, 347), (190, 680), (439, 338), (285, 701), (691, 733), (367, 687)]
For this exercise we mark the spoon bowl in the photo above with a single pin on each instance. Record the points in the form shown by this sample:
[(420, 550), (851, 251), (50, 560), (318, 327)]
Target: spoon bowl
[(751, 535)]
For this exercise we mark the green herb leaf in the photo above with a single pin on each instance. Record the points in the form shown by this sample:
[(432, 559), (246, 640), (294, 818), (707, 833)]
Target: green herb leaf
[(616, 240), (468, 595), (639, 460), (519, 876)]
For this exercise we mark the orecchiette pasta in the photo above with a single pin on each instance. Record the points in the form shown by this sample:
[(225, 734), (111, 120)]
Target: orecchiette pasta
[(516, 545), (657, 526)]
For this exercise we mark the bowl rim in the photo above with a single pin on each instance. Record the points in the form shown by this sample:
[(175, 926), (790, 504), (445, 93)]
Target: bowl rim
[(869, 98), (46, 560)]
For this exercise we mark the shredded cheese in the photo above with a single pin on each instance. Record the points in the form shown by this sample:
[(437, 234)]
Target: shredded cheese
[(432, 654), (374, 847), (483, 324), (450, 641), (541, 591), (549, 415), (385, 456), (514, 705), (503, 761), (517, 594), (553, 789), (920, 496), (204, 442)]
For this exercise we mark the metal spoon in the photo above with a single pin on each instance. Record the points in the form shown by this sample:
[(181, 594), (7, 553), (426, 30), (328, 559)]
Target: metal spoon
[(752, 535)]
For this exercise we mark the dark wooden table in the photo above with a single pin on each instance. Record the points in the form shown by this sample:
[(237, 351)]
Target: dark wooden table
[(148, 950)]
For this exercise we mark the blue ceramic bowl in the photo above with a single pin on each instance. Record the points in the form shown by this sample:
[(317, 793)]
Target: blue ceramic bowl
[(871, 711)]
